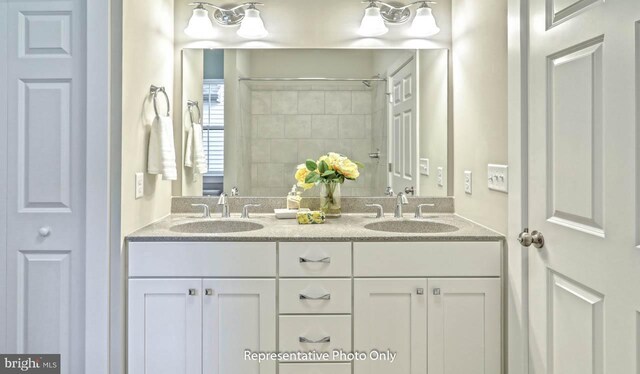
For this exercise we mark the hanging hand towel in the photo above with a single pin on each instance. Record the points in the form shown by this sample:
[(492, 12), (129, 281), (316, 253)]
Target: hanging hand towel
[(162, 154), (194, 156)]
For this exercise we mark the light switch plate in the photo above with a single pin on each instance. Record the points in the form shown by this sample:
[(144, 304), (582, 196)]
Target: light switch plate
[(139, 185), (425, 168), (468, 182), (498, 177), (441, 176)]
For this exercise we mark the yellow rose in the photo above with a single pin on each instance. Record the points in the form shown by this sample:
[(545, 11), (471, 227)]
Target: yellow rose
[(347, 168), (301, 174)]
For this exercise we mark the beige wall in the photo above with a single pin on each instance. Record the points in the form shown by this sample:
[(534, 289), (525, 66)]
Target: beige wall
[(433, 72), (146, 59), (479, 59)]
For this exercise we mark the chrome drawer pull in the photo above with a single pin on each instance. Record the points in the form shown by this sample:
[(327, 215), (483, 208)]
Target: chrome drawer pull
[(326, 260), (323, 297), (326, 339), (192, 292)]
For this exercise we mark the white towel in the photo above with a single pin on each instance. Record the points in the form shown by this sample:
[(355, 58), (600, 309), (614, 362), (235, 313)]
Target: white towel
[(162, 154), (194, 155)]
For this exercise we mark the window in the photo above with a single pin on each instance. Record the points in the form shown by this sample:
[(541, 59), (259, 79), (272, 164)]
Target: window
[(213, 125)]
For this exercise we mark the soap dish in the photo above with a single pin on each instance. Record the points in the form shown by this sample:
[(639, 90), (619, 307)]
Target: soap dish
[(288, 213)]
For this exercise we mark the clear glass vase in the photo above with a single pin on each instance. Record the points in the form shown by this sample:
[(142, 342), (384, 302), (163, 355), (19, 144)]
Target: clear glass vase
[(330, 199)]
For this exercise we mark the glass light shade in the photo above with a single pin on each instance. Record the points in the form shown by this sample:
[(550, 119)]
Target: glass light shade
[(372, 23), (424, 24), (252, 26), (199, 24)]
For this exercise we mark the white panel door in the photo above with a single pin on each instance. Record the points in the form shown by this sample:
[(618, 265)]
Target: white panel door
[(46, 143), (464, 326), (403, 134), (165, 326), (238, 314), (584, 284), (391, 314)]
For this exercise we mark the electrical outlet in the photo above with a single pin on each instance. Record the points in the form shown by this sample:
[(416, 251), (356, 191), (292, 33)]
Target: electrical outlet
[(424, 166), (441, 176), (139, 185), (498, 177), (468, 182)]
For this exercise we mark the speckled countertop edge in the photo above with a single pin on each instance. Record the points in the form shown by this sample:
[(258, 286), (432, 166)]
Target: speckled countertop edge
[(349, 227)]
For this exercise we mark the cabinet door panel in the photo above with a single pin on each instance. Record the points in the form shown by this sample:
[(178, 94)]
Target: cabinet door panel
[(391, 314), (165, 323), (238, 315), (464, 322)]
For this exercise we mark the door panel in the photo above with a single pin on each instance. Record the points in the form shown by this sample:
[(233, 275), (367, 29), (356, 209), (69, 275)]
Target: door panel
[(4, 142), (46, 148), (165, 326), (404, 126), (582, 109), (238, 315), (464, 321), (391, 314)]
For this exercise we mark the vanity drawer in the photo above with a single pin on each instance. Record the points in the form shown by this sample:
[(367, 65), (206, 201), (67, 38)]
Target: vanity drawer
[(334, 330), (323, 368), (202, 259), (318, 259), (315, 296), (427, 259)]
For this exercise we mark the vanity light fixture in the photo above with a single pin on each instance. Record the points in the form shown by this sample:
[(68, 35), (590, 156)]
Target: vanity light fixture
[(246, 15), (378, 14)]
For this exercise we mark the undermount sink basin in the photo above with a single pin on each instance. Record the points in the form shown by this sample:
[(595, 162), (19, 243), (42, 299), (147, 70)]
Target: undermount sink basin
[(411, 226), (216, 227)]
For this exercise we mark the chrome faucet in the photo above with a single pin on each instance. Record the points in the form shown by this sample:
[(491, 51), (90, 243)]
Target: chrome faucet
[(245, 209), (224, 201), (206, 212), (400, 201), (379, 209), (419, 209)]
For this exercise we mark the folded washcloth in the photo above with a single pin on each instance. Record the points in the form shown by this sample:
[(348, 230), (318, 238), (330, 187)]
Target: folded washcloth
[(162, 154), (194, 155)]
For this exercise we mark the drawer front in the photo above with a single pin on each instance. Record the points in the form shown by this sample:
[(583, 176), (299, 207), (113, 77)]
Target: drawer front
[(324, 368), (427, 259), (302, 259), (202, 259), (315, 296), (315, 333)]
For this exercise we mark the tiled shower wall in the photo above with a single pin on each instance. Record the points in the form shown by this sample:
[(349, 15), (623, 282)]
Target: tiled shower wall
[(292, 123)]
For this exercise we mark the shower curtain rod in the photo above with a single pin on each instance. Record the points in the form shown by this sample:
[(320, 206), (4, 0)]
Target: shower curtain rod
[(312, 79)]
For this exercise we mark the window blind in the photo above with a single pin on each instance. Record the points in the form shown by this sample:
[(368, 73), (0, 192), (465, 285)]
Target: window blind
[(213, 125)]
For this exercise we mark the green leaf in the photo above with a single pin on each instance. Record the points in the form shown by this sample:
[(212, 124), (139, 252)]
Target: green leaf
[(328, 173), (359, 164), (322, 167), (312, 177), (311, 165)]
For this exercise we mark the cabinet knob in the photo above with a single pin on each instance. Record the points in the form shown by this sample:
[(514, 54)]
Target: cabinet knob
[(436, 292), (208, 292), (192, 292), (420, 291), (44, 231)]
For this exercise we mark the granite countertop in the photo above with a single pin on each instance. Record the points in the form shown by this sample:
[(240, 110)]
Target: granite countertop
[(349, 227)]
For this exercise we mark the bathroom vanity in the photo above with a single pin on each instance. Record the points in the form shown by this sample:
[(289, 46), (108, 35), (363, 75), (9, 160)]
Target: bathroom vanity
[(198, 300)]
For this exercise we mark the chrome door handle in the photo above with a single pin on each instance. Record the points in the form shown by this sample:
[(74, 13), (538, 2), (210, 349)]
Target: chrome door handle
[(326, 260), (323, 297), (326, 339), (535, 237)]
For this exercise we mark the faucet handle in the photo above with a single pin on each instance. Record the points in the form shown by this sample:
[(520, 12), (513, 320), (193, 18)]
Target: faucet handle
[(245, 209), (379, 209), (235, 191), (206, 212), (419, 209), (388, 191)]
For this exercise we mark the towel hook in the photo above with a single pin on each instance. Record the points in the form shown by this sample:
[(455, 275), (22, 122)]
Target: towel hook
[(191, 104), (154, 94)]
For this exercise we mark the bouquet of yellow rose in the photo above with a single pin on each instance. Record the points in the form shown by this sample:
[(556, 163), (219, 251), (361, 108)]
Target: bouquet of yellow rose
[(329, 168)]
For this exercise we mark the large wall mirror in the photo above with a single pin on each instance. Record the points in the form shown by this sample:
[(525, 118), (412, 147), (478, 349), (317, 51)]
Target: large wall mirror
[(263, 112)]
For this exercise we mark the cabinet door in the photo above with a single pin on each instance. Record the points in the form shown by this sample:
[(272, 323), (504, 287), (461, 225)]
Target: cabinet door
[(165, 326), (464, 326), (238, 315), (391, 314)]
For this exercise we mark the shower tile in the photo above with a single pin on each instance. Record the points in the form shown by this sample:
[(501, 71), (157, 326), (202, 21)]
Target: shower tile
[(260, 150), (261, 102), (324, 126), (337, 102), (352, 127), (284, 102), (311, 102), (297, 126), (270, 175), (310, 148), (361, 102), (269, 127), (284, 151)]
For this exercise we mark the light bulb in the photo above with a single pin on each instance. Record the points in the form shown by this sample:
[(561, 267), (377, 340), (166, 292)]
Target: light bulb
[(372, 22), (424, 24), (200, 26), (252, 26)]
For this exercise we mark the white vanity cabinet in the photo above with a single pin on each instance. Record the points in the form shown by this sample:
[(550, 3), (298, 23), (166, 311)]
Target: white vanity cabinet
[(202, 324)]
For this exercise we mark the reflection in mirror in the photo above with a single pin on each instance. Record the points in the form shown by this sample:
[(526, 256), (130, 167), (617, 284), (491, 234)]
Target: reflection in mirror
[(265, 112)]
